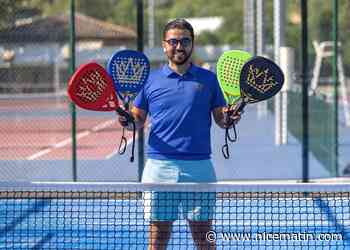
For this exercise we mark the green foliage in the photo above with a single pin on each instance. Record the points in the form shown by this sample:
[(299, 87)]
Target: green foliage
[(8, 10), (123, 12), (49, 7), (208, 37), (102, 10), (231, 11)]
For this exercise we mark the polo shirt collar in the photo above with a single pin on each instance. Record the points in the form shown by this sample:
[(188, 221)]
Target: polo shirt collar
[(168, 71)]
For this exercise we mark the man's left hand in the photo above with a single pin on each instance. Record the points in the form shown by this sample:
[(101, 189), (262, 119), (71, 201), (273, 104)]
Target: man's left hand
[(232, 116)]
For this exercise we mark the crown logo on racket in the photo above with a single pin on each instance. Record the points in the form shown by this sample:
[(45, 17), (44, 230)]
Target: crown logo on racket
[(260, 79), (130, 70)]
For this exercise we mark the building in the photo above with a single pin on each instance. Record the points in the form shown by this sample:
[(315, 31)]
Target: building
[(34, 52)]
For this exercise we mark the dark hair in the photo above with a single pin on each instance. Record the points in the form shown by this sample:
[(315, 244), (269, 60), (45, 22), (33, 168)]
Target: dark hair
[(178, 23)]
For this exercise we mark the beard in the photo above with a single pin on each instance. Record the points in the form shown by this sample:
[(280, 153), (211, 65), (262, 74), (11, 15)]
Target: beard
[(179, 57)]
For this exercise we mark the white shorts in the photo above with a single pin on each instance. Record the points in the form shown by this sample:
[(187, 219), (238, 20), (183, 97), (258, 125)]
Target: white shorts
[(167, 206)]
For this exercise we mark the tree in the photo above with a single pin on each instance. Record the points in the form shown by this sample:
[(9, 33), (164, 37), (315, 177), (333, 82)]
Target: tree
[(231, 11), (102, 10), (123, 12), (8, 10)]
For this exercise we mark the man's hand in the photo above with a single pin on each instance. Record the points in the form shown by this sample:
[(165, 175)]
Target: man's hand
[(125, 122), (138, 117), (231, 116), (226, 117)]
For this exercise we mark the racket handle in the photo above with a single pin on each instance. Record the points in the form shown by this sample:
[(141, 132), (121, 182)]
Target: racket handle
[(240, 107)]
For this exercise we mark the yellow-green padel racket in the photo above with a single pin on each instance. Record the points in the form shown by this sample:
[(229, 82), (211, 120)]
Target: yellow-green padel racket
[(228, 69)]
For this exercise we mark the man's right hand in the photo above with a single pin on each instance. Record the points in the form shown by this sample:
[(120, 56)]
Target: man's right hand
[(138, 117), (125, 122)]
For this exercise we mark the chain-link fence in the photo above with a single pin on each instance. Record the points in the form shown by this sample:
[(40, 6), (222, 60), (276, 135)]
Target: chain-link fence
[(36, 115)]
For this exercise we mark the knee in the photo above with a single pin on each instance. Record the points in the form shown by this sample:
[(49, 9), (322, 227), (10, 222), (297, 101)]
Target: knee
[(199, 232), (160, 235)]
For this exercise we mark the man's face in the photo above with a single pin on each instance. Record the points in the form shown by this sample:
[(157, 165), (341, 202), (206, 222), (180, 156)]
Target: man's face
[(178, 45)]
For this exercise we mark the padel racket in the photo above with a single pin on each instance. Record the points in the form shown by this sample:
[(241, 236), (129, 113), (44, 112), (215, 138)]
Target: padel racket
[(129, 70), (92, 88), (228, 70), (260, 80)]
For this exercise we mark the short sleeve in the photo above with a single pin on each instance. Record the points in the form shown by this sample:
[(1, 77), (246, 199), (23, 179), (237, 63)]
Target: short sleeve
[(141, 101)]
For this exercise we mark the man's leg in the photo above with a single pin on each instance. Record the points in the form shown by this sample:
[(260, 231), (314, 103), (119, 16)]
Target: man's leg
[(199, 230), (159, 232), (199, 210)]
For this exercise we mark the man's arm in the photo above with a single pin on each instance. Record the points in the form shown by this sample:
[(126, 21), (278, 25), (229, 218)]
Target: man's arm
[(220, 115), (140, 117)]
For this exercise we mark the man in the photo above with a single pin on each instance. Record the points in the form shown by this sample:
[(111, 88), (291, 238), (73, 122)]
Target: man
[(179, 99)]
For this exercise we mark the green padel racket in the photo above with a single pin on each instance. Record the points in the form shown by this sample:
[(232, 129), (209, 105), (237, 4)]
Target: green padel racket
[(228, 69)]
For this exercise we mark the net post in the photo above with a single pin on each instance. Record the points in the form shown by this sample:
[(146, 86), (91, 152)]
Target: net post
[(279, 9), (262, 108), (72, 69), (287, 63), (335, 82), (141, 155)]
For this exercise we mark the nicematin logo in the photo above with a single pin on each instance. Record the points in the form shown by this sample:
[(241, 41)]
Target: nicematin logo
[(213, 236)]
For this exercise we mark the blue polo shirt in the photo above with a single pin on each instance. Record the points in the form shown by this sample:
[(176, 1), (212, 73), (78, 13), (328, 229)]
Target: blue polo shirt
[(179, 107)]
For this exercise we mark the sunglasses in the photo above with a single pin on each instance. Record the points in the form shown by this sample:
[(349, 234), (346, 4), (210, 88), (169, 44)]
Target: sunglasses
[(183, 41)]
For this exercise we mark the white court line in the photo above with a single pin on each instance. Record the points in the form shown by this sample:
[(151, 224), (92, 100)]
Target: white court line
[(67, 141)]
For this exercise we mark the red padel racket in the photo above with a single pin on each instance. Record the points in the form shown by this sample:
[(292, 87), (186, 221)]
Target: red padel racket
[(92, 88)]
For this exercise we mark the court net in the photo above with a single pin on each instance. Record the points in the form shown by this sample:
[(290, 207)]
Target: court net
[(117, 216)]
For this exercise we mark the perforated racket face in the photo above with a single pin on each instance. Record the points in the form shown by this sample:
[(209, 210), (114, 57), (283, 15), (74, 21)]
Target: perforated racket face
[(260, 79), (129, 70), (229, 68), (91, 88)]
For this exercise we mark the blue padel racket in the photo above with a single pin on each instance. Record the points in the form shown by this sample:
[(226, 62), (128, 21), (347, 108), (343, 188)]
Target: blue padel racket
[(260, 79), (129, 70)]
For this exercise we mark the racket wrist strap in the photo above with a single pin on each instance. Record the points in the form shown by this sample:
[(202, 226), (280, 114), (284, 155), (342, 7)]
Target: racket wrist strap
[(128, 125)]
